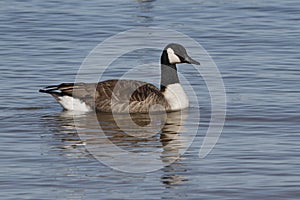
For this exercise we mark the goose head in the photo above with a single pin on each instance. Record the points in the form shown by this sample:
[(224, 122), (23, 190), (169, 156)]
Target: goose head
[(176, 54)]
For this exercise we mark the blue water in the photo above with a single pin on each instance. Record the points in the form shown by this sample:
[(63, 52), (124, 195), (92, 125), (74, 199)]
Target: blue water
[(255, 45)]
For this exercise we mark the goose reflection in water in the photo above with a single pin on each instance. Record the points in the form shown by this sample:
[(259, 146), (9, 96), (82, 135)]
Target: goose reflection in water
[(158, 141), (136, 142)]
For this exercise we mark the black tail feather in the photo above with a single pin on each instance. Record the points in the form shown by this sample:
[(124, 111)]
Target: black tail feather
[(49, 89), (57, 90), (52, 89)]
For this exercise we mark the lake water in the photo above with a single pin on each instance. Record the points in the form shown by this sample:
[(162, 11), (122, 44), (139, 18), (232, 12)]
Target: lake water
[(255, 45)]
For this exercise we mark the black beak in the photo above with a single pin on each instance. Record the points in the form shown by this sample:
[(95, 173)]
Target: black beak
[(191, 61)]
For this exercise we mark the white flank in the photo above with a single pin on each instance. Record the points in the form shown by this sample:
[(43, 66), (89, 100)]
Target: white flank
[(70, 103), (173, 58), (176, 97)]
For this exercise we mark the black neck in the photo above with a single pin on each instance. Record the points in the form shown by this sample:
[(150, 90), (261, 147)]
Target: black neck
[(168, 72)]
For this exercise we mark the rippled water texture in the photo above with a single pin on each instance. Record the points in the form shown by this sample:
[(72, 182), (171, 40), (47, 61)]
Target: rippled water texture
[(255, 45)]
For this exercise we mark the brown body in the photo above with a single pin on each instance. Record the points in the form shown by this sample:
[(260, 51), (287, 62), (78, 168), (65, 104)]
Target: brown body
[(114, 95)]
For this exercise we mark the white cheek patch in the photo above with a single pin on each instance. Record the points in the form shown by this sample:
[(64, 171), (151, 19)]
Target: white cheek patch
[(173, 58)]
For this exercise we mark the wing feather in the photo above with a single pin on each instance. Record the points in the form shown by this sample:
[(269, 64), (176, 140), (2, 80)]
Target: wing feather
[(113, 95)]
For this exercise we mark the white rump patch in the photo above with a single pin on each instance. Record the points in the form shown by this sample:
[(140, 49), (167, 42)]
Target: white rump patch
[(173, 58), (176, 97), (70, 103)]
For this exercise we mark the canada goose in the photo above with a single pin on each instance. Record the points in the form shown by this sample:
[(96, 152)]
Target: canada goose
[(129, 95)]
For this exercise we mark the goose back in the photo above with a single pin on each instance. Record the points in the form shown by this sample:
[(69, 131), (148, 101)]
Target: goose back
[(129, 96), (117, 96)]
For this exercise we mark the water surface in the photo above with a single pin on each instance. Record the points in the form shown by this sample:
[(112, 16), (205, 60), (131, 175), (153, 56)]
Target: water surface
[(255, 45)]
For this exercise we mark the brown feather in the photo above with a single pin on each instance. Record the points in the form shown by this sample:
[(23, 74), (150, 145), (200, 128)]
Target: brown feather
[(115, 95)]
